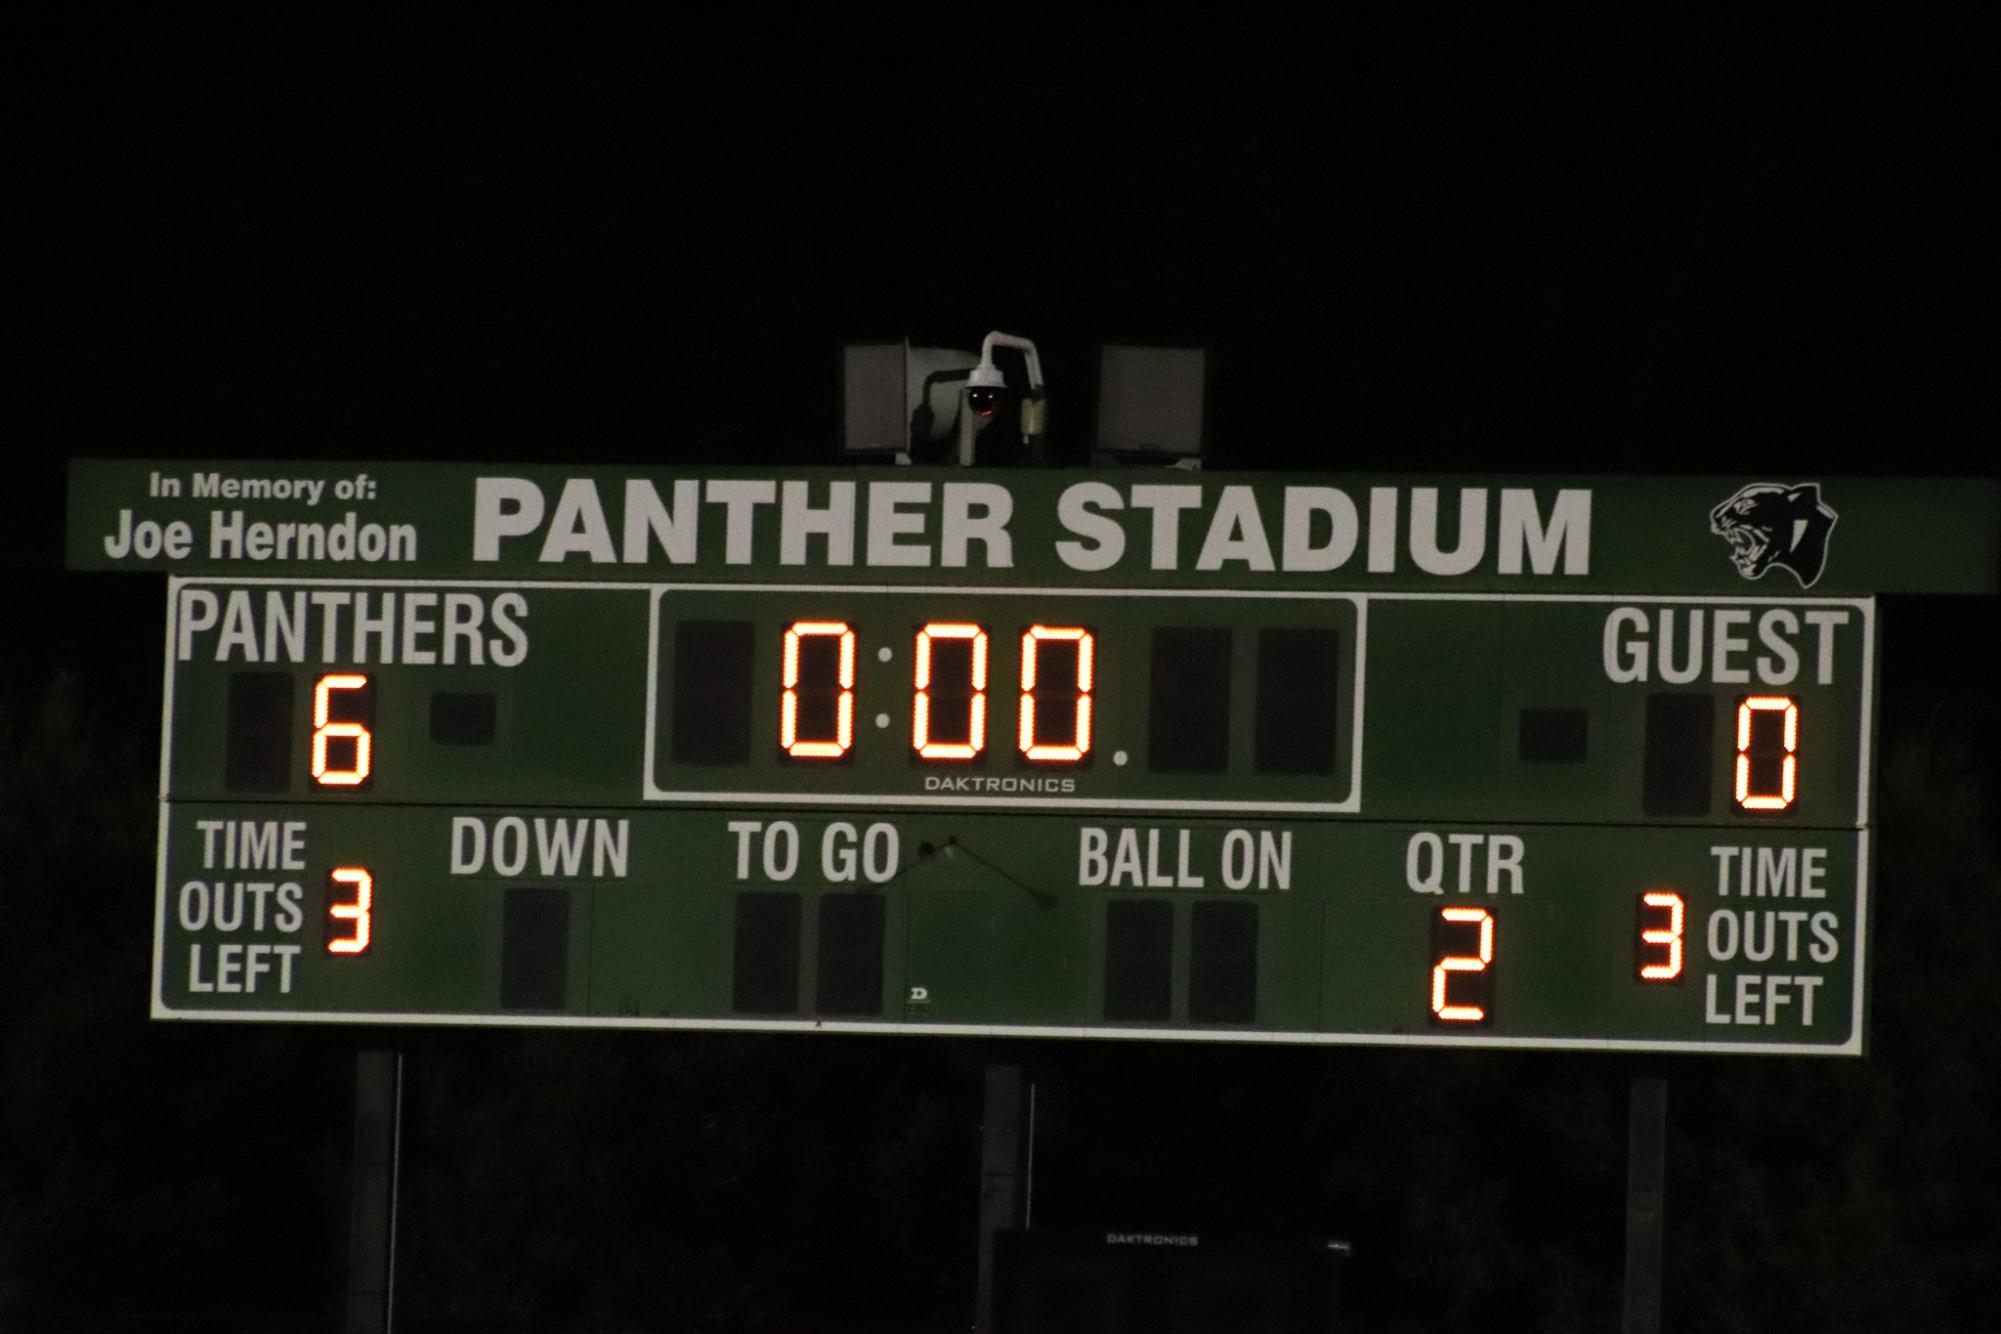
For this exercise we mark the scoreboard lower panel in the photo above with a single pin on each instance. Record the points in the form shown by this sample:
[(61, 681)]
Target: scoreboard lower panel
[(1627, 822), (1328, 931)]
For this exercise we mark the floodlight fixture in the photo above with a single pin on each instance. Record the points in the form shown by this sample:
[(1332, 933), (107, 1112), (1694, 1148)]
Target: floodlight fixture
[(1151, 404), (898, 399)]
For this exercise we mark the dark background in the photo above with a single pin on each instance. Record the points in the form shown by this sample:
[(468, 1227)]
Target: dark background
[(1694, 246)]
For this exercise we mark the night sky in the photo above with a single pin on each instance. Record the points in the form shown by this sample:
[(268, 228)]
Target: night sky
[(1681, 248)]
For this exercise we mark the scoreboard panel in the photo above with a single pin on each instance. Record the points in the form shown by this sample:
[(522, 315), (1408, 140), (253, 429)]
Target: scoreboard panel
[(971, 810), (1386, 798)]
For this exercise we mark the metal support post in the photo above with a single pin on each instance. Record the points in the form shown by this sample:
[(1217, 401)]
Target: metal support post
[(371, 1253), (1003, 1188), (1646, 1203)]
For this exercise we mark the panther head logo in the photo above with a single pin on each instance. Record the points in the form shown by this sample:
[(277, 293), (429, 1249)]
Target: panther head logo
[(1767, 524)]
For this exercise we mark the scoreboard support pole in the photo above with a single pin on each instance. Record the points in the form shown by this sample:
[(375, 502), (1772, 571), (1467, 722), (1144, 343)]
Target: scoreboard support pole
[(1646, 1203), (371, 1254), (1003, 1176)]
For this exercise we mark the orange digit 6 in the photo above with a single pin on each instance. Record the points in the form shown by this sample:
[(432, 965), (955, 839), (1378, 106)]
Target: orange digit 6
[(325, 730)]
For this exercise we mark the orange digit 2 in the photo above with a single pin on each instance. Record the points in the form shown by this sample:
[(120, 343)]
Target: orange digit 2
[(1444, 1007)]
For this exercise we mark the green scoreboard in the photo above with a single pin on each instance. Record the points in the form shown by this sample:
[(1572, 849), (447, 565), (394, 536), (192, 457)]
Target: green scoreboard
[(1137, 753)]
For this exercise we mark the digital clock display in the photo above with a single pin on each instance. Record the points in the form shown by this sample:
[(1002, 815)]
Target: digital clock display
[(1574, 800), (960, 697)]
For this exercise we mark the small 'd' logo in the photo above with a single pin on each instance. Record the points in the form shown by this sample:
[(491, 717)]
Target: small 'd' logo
[(1768, 524)]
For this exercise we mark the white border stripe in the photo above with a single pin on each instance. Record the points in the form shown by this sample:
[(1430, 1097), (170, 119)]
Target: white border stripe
[(1854, 1044), (1852, 1047), (159, 998)]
